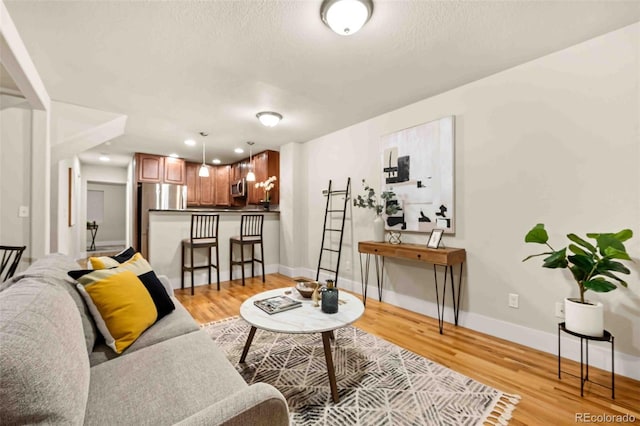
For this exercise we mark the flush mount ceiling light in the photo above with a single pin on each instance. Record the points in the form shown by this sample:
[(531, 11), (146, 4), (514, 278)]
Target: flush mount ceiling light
[(269, 118), (190, 142), (104, 158), (346, 17), (204, 170), (251, 177), (238, 150), (216, 161)]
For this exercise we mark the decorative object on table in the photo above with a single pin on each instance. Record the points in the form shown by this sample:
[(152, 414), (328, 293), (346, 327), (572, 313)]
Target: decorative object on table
[(330, 298), (408, 379), (395, 237), (434, 238), (306, 288), (592, 266), (418, 163), (315, 296), (369, 200), (273, 305), (267, 185)]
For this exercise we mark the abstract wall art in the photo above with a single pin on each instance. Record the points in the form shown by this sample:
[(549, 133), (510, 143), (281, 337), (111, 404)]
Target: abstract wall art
[(417, 165)]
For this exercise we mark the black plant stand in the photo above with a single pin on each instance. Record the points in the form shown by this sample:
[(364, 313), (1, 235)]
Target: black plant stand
[(584, 344)]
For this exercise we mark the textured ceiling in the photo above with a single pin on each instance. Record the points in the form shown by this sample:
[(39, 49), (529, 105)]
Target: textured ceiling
[(176, 68)]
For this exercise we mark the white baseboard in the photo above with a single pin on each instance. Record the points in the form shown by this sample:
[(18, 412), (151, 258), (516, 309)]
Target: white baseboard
[(599, 352)]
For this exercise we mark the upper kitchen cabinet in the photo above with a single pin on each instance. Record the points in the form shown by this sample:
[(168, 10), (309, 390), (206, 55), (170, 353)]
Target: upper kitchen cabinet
[(175, 171), (223, 186), (265, 165), (157, 169), (200, 190), (149, 168)]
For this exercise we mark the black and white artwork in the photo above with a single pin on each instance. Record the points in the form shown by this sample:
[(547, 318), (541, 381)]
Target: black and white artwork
[(417, 165)]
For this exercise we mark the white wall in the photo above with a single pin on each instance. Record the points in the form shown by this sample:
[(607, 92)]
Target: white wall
[(555, 140), (15, 176)]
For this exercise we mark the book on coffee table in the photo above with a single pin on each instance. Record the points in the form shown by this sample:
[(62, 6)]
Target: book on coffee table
[(273, 305)]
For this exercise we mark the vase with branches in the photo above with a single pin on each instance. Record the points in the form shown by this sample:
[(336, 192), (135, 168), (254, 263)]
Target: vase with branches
[(267, 185), (379, 204)]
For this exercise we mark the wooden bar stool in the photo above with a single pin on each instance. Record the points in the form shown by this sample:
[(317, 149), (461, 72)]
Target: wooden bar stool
[(250, 234), (204, 234)]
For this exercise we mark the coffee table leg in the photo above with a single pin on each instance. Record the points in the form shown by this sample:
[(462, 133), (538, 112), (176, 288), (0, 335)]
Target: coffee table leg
[(252, 333), (326, 336)]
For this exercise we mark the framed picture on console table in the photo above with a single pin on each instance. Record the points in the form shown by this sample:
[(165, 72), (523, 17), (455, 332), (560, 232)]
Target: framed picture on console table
[(417, 166), (434, 238)]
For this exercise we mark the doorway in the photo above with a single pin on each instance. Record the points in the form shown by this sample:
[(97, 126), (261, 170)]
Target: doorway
[(106, 217)]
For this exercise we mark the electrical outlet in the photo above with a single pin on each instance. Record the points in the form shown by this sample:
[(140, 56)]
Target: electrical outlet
[(559, 310), (513, 300), (23, 211)]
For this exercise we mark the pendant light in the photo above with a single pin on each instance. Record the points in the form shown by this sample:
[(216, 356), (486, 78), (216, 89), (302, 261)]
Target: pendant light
[(204, 170), (251, 177)]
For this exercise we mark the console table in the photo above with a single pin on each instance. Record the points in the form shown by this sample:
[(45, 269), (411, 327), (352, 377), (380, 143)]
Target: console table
[(447, 257)]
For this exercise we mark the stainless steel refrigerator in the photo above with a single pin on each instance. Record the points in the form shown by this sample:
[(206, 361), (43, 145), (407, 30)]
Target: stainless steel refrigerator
[(156, 196)]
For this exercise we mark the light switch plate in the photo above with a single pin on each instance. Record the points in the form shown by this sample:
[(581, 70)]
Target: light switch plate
[(23, 211)]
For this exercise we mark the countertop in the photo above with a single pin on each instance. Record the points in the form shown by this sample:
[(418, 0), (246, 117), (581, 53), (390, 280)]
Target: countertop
[(216, 210)]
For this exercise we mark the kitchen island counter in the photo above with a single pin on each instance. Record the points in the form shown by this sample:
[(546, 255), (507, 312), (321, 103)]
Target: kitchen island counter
[(167, 229)]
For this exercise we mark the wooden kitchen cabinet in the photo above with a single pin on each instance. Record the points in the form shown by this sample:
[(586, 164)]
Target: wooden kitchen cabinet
[(149, 168), (200, 190), (192, 184), (223, 186), (174, 171), (158, 169)]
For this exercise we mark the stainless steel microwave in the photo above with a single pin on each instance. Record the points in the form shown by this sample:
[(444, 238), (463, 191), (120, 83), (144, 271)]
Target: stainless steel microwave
[(239, 188)]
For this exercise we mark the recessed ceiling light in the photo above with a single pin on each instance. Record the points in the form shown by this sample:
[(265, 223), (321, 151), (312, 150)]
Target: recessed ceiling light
[(173, 155), (216, 161), (238, 150), (269, 118), (190, 142), (104, 158), (346, 17)]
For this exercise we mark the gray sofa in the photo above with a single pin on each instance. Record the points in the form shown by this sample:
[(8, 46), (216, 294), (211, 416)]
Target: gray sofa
[(54, 370)]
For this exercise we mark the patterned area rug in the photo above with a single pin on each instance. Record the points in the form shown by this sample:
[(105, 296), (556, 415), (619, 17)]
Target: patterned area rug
[(379, 383)]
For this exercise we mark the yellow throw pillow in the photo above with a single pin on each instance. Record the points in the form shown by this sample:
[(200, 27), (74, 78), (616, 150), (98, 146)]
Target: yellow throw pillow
[(120, 305)]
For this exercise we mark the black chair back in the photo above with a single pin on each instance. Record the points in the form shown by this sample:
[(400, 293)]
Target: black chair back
[(251, 225), (10, 259), (204, 226)]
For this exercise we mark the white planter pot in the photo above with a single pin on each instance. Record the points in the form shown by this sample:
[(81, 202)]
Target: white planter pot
[(378, 229), (582, 318)]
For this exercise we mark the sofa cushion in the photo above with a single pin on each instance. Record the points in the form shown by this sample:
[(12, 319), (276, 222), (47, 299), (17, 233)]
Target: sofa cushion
[(52, 269), (44, 368), (177, 323), (163, 383), (121, 307)]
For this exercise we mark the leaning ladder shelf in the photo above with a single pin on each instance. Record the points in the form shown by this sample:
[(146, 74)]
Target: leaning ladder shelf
[(328, 212)]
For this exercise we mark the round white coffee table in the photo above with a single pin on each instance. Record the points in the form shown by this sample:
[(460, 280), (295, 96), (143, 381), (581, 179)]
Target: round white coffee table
[(306, 319)]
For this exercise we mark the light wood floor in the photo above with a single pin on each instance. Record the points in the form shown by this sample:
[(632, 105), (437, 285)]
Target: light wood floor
[(506, 366)]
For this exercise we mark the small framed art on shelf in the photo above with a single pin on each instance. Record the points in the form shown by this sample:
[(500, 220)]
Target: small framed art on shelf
[(434, 238)]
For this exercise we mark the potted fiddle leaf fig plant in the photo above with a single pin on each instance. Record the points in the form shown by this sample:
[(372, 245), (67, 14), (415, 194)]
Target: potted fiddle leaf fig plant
[(593, 265)]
